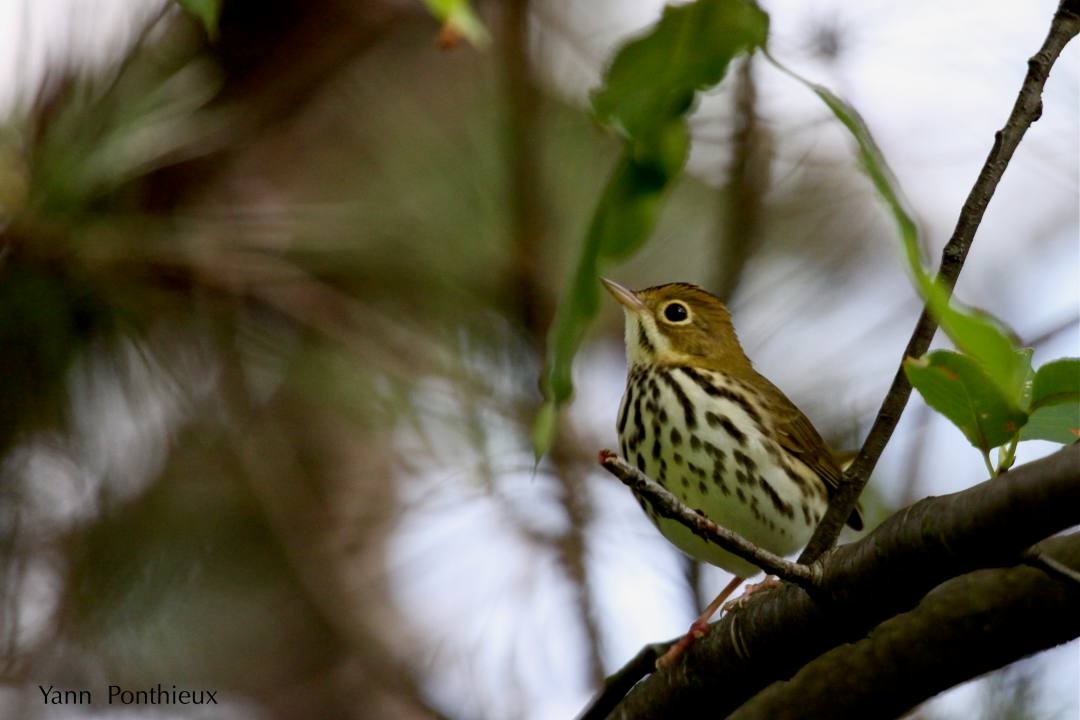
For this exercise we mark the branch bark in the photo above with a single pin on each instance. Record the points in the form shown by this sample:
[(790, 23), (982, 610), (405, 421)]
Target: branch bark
[(968, 626), (864, 583), (1026, 110)]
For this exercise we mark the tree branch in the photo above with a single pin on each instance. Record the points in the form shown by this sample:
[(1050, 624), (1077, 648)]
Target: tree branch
[(670, 507), (866, 582), (1026, 110), (620, 682), (747, 181), (1037, 557), (968, 626)]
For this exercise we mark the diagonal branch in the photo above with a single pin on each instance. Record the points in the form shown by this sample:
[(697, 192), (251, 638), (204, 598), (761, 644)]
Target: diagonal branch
[(865, 582), (968, 626), (1026, 110), (669, 506)]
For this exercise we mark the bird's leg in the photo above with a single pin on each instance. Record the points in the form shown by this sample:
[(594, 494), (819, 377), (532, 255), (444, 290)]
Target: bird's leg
[(700, 626)]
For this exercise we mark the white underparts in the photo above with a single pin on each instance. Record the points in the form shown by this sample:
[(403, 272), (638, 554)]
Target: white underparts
[(714, 451)]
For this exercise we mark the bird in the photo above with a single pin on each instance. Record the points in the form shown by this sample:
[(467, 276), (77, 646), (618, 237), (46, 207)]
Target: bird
[(698, 419)]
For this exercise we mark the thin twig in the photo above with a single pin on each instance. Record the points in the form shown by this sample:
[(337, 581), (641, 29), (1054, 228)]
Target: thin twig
[(1052, 332), (668, 505), (1026, 110)]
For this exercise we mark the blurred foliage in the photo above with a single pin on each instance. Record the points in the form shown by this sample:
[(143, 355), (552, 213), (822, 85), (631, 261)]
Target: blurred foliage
[(459, 18), (208, 12), (337, 290), (44, 320), (94, 136), (204, 558)]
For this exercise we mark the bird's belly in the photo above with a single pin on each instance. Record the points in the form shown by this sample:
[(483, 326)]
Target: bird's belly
[(714, 457)]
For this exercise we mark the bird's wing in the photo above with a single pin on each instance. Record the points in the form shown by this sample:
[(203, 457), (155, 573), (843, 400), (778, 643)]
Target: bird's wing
[(798, 436)]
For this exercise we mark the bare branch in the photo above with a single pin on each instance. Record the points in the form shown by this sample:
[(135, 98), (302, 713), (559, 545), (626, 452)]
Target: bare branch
[(1026, 110), (968, 626), (670, 507)]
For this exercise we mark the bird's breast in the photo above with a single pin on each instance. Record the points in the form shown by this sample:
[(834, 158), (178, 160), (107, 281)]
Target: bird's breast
[(707, 438)]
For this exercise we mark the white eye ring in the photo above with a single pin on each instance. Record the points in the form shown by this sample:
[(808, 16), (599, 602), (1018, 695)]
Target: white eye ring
[(676, 312)]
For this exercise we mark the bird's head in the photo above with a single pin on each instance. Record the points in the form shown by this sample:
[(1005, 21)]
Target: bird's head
[(678, 324)]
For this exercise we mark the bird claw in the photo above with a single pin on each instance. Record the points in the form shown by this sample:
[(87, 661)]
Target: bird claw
[(697, 631), (751, 588), (675, 651)]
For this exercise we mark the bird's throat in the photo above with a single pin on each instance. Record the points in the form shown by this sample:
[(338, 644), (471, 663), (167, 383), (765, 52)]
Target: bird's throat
[(646, 345)]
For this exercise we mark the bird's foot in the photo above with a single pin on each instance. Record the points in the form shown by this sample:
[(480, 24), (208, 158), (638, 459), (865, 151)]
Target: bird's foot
[(700, 627), (751, 588), (695, 633)]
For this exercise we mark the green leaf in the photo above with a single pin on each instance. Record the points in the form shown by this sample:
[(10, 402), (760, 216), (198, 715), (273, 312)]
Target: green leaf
[(982, 337), (543, 430), (622, 222), (1055, 403), (647, 93), (459, 16), (1056, 382), (1057, 423), (654, 78), (205, 11), (1027, 385), (958, 388), (976, 334)]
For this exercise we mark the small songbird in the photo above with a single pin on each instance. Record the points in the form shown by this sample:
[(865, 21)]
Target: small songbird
[(699, 420)]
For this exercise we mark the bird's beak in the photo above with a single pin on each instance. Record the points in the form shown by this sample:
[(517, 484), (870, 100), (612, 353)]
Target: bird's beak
[(625, 296)]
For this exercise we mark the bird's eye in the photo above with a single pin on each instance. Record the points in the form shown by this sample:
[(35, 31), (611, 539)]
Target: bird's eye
[(676, 312)]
